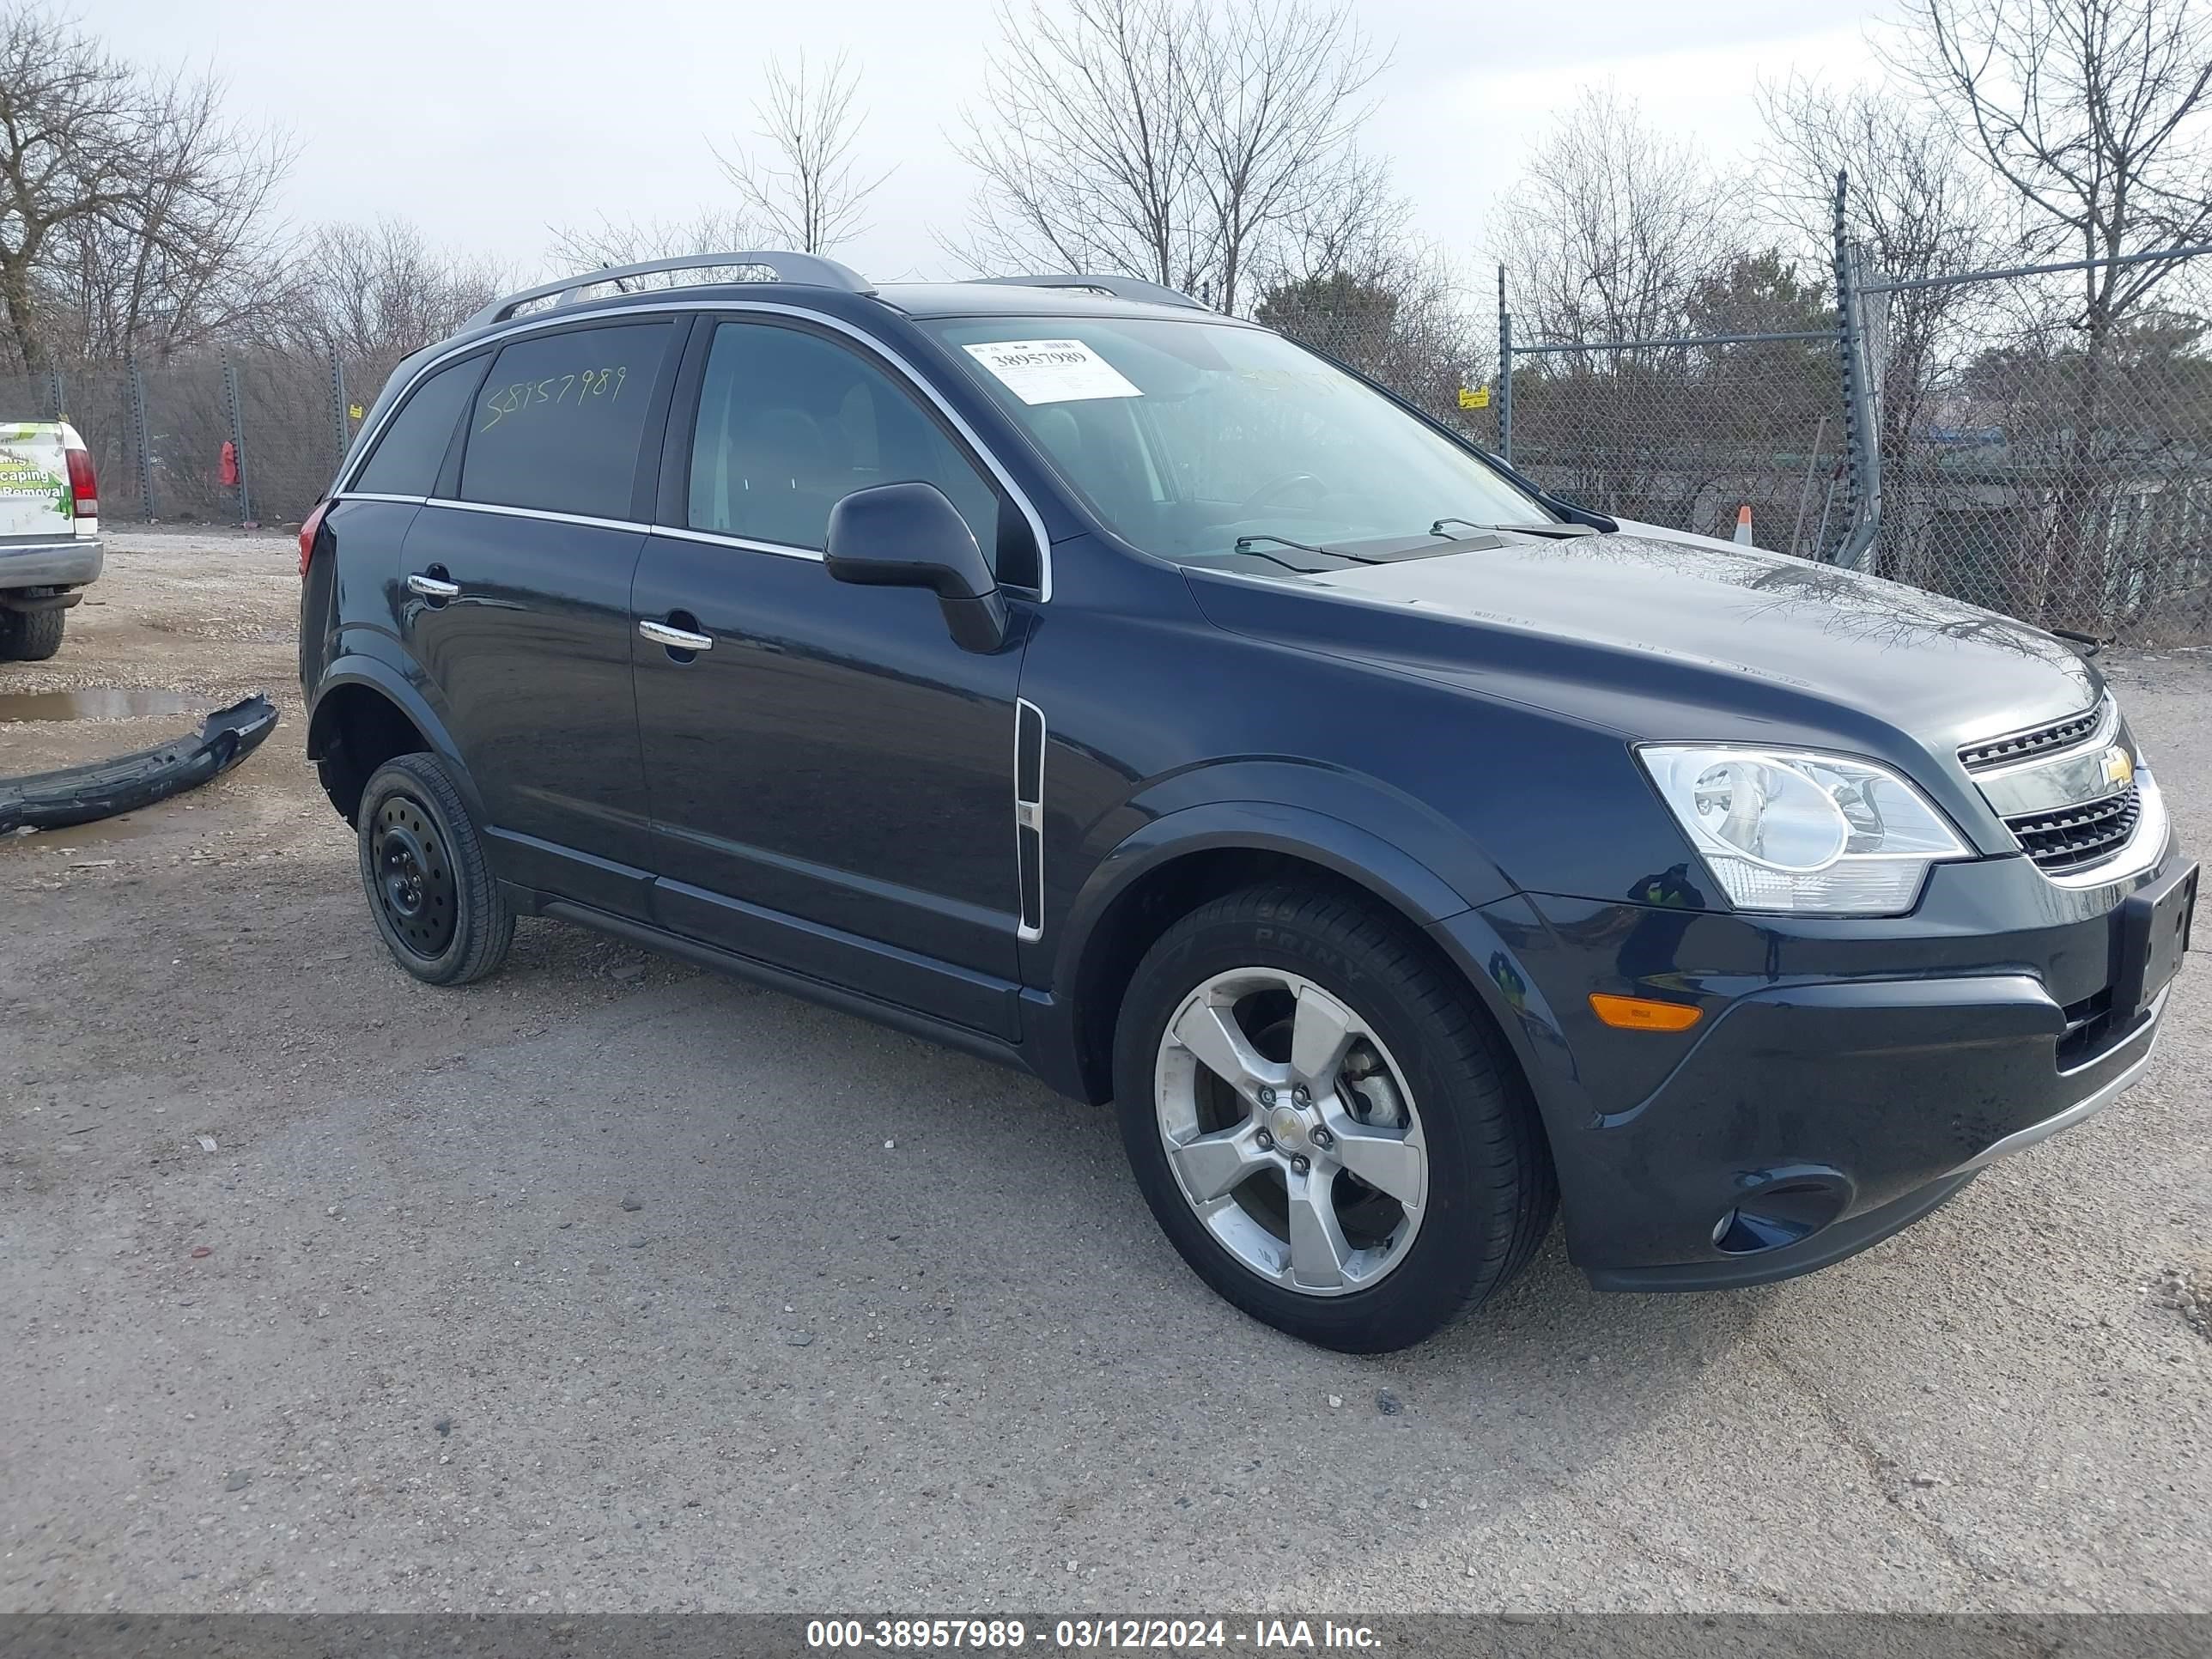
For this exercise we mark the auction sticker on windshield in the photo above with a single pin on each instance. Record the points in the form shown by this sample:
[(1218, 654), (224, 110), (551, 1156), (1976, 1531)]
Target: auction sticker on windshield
[(1051, 371)]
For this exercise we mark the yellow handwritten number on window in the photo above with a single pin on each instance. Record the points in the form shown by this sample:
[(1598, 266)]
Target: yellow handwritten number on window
[(553, 392)]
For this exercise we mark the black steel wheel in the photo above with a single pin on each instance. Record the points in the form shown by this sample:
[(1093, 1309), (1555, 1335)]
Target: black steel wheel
[(430, 888), (414, 876)]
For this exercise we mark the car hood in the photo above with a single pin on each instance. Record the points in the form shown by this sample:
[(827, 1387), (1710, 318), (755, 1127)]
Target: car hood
[(1630, 631)]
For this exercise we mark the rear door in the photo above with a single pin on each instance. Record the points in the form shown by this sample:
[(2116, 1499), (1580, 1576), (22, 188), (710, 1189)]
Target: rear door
[(513, 594), (832, 777)]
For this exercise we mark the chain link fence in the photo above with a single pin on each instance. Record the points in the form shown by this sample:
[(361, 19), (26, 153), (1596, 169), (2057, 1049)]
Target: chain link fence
[(2007, 453), (232, 438), (1690, 432), (2005, 456), (2045, 469)]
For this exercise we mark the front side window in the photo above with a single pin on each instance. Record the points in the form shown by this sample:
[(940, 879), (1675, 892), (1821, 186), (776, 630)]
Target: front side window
[(790, 422), (556, 424), (413, 446), (1189, 437)]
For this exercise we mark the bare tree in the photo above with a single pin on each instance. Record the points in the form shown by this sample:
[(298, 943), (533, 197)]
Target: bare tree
[(370, 294), (132, 211), (1280, 97), (1192, 145), (2098, 115), (1918, 205), (1086, 146), (1392, 307), (808, 192), (633, 242), (1612, 226)]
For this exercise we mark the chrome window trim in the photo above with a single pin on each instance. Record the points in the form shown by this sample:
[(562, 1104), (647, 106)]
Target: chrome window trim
[(748, 545), (716, 538), (503, 509), (670, 302)]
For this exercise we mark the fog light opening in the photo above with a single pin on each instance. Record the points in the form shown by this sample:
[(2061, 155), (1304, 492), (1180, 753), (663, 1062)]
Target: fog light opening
[(1780, 1212)]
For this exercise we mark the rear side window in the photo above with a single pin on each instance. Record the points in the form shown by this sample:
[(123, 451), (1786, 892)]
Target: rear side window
[(413, 446), (556, 424), (790, 422)]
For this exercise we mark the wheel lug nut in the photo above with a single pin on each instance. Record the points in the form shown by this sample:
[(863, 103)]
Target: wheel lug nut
[(1302, 1096), (1267, 1096), (1322, 1139), (1301, 1164), (1267, 1141)]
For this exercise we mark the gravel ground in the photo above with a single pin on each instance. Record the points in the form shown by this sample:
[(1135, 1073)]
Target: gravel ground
[(608, 1284)]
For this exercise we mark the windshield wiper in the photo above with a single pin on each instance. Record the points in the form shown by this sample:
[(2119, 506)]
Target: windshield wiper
[(1246, 544), (1562, 528)]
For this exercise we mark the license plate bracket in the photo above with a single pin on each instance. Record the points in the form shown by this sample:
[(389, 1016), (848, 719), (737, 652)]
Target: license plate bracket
[(2153, 932)]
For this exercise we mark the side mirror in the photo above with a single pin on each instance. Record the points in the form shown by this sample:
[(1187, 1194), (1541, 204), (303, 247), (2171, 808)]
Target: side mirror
[(908, 535)]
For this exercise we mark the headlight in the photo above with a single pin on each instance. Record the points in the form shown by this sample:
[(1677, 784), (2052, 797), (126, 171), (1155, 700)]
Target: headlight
[(1819, 834)]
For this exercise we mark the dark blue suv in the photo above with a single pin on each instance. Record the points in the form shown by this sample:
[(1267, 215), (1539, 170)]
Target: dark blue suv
[(1064, 671)]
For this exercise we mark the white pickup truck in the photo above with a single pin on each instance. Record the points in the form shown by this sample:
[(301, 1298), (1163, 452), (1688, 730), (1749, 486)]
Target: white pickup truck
[(50, 547)]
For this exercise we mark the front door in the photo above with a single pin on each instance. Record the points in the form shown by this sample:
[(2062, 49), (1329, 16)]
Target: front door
[(831, 776), (516, 603)]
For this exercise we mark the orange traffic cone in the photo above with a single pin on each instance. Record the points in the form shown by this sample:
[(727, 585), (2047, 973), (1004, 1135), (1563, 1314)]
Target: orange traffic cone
[(1743, 524)]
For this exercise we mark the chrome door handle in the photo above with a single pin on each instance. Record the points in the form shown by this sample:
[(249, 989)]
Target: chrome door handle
[(431, 588), (676, 639)]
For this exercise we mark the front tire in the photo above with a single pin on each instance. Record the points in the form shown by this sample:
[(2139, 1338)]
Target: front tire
[(430, 888), (1325, 1122), (30, 635)]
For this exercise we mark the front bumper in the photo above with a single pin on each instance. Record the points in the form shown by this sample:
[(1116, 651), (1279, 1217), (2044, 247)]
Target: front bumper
[(66, 563), (1847, 1077)]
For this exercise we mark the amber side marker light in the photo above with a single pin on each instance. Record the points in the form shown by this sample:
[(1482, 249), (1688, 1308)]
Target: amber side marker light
[(1643, 1013)]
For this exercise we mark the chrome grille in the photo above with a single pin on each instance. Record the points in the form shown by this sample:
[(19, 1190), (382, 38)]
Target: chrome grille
[(2020, 745), (2075, 837)]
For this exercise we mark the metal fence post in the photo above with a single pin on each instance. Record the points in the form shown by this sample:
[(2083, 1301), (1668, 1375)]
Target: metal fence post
[(236, 406), (1504, 374), (1862, 443), (57, 395), (143, 435), (339, 429)]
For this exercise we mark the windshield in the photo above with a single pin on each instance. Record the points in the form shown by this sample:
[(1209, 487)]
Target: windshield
[(1189, 438)]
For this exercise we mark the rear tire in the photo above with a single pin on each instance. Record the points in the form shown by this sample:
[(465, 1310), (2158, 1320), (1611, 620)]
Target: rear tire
[(30, 635), (430, 888), (1425, 1081)]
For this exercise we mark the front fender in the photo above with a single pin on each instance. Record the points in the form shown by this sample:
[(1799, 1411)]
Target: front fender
[(1358, 854), (1363, 854)]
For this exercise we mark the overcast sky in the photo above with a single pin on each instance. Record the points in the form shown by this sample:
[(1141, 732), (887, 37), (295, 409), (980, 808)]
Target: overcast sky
[(485, 121)]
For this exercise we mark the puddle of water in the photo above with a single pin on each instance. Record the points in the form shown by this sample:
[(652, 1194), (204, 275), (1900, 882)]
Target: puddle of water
[(82, 834), (99, 702)]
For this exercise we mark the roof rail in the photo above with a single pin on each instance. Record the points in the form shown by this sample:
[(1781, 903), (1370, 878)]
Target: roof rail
[(1121, 288), (810, 269)]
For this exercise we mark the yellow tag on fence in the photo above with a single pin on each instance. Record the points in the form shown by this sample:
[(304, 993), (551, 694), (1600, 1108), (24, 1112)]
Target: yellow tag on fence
[(1476, 396), (354, 411)]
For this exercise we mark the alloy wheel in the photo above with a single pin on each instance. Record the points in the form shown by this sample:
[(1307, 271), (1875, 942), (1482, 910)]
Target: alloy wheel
[(1291, 1131)]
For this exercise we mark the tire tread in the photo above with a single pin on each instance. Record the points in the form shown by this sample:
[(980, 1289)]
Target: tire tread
[(31, 635), (486, 920), (1509, 1148)]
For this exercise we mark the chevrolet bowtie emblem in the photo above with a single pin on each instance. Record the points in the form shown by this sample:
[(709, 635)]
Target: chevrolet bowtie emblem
[(2119, 770)]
